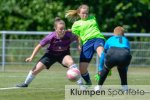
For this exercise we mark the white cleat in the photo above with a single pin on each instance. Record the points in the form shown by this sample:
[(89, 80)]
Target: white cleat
[(97, 87), (83, 87)]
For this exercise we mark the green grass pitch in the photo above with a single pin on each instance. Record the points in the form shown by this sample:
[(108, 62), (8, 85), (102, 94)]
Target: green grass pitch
[(50, 84)]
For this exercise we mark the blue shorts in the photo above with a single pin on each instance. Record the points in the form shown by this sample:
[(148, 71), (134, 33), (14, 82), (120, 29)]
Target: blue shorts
[(89, 48)]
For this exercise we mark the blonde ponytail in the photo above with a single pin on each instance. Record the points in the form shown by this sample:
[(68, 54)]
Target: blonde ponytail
[(72, 15)]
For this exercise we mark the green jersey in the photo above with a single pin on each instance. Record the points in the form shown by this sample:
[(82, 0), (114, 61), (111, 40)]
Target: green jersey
[(87, 29)]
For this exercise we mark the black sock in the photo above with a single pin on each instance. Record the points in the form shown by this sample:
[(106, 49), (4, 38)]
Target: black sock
[(103, 76), (123, 75), (86, 77)]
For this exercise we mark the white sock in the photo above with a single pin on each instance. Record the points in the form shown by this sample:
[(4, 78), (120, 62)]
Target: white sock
[(73, 66), (125, 87), (80, 82), (29, 78)]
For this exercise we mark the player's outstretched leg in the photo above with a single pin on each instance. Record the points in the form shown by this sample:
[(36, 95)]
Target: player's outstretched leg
[(79, 82), (84, 72), (87, 79), (103, 76), (31, 75), (68, 61), (28, 80)]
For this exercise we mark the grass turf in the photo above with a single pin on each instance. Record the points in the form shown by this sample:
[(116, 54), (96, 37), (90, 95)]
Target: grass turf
[(50, 85)]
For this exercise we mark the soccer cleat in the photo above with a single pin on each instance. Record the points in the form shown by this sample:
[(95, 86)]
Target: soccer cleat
[(97, 88), (22, 85), (83, 87)]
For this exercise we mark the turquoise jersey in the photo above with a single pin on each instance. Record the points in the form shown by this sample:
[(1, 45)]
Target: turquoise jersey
[(114, 42), (87, 29)]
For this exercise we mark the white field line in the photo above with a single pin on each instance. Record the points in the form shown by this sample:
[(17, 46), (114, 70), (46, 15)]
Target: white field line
[(25, 77), (10, 88), (12, 76)]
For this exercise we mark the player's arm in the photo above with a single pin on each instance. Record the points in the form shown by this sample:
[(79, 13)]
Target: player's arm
[(101, 65), (35, 51), (42, 43), (106, 47), (78, 44), (76, 29), (101, 60)]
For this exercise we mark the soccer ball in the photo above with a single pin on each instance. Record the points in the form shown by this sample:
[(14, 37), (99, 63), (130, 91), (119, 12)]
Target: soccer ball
[(73, 74)]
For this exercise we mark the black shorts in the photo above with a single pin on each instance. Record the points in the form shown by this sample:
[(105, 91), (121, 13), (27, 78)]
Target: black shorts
[(49, 59), (119, 57)]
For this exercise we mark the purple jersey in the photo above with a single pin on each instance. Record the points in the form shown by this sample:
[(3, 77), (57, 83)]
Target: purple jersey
[(57, 44)]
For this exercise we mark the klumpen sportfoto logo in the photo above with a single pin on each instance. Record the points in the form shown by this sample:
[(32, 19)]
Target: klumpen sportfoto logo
[(107, 92), (110, 92)]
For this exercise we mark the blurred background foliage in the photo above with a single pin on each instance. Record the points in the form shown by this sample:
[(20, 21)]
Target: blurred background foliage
[(38, 15)]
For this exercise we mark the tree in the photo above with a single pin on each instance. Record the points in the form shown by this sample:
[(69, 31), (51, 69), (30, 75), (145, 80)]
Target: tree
[(38, 15)]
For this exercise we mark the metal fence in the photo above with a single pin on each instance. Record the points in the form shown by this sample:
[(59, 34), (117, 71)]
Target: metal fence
[(14, 51)]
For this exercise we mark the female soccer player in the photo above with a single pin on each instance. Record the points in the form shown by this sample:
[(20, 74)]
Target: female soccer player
[(58, 51), (117, 53), (91, 38)]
